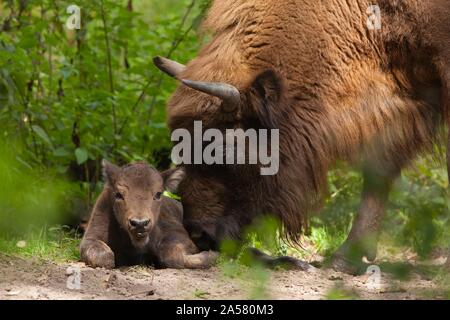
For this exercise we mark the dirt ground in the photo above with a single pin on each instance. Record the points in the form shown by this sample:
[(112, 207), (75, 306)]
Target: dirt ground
[(32, 279)]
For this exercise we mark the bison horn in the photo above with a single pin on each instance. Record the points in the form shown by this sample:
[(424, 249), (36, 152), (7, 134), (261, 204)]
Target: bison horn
[(226, 92), (172, 68)]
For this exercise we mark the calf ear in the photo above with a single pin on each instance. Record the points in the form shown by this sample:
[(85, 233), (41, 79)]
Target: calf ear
[(110, 172), (172, 178), (265, 94)]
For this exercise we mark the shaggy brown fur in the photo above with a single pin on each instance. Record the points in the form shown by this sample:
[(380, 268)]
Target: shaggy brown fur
[(133, 223), (333, 88)]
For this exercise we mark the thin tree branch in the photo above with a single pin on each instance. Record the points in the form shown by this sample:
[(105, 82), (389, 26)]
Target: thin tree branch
[(109, 62), (175, 43)]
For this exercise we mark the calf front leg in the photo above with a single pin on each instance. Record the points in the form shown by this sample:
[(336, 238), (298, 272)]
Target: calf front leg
[(97, 254), (94, 249), (363, 238)]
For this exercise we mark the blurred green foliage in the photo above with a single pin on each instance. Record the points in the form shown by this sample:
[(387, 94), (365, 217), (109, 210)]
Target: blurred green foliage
[(338, 292), (237, 263), (417, 215), (28, 197), (73, 97), (420, 204)]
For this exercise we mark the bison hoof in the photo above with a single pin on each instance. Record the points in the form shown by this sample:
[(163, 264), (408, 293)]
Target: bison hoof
[(352, 255), (99, 255)]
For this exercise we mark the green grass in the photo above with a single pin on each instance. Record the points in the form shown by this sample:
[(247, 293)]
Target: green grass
[(200, 294), (341, 293), (54, 244), (325, 242)]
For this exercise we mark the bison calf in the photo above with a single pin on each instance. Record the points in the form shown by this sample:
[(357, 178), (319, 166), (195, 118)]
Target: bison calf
[(134, 223)]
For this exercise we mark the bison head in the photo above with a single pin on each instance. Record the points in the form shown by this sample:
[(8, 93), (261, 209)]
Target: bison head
[(218, 200)]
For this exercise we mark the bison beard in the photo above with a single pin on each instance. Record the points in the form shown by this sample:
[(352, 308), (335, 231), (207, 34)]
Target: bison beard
[(334, 89)]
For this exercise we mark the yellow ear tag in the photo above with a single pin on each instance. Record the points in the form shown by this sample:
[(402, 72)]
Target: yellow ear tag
[(171, 195)]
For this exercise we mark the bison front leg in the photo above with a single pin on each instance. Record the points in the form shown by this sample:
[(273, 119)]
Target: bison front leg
[(363, 238)]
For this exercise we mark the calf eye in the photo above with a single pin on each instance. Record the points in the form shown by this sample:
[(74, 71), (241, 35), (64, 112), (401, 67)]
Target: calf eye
[(157, 196), (119, 196)]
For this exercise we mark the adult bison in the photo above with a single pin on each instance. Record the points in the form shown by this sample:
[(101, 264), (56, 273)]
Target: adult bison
[(335, 89)]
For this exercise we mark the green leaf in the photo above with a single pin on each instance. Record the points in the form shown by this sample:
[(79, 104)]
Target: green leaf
[(81, 155), (61, 152), (42, 134)]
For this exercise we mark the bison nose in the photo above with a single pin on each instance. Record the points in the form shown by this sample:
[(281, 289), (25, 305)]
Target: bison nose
[(139, 223)]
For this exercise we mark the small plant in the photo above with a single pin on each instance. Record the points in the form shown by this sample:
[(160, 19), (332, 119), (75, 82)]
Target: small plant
[(201, 294)]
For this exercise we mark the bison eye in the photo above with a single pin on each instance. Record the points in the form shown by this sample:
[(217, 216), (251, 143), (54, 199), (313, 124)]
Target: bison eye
[(119, 196), (157, 196)]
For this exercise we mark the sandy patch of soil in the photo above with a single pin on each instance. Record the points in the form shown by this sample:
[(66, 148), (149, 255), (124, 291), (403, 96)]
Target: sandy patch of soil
[(36, 279)]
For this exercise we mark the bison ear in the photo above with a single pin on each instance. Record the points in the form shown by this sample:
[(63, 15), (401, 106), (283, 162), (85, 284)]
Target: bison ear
[(265, 93), (110, 172), (267, 86), (172, 178)]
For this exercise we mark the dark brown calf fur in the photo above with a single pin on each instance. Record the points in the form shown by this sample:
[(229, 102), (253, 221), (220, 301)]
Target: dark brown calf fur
[(335, 89), (133, 223)]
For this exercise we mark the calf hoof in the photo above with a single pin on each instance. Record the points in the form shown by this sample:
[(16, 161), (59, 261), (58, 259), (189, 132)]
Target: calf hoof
[(202, 260), (99, 255), (209, 258)]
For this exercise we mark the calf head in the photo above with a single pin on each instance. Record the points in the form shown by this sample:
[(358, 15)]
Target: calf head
[(136, 192)]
